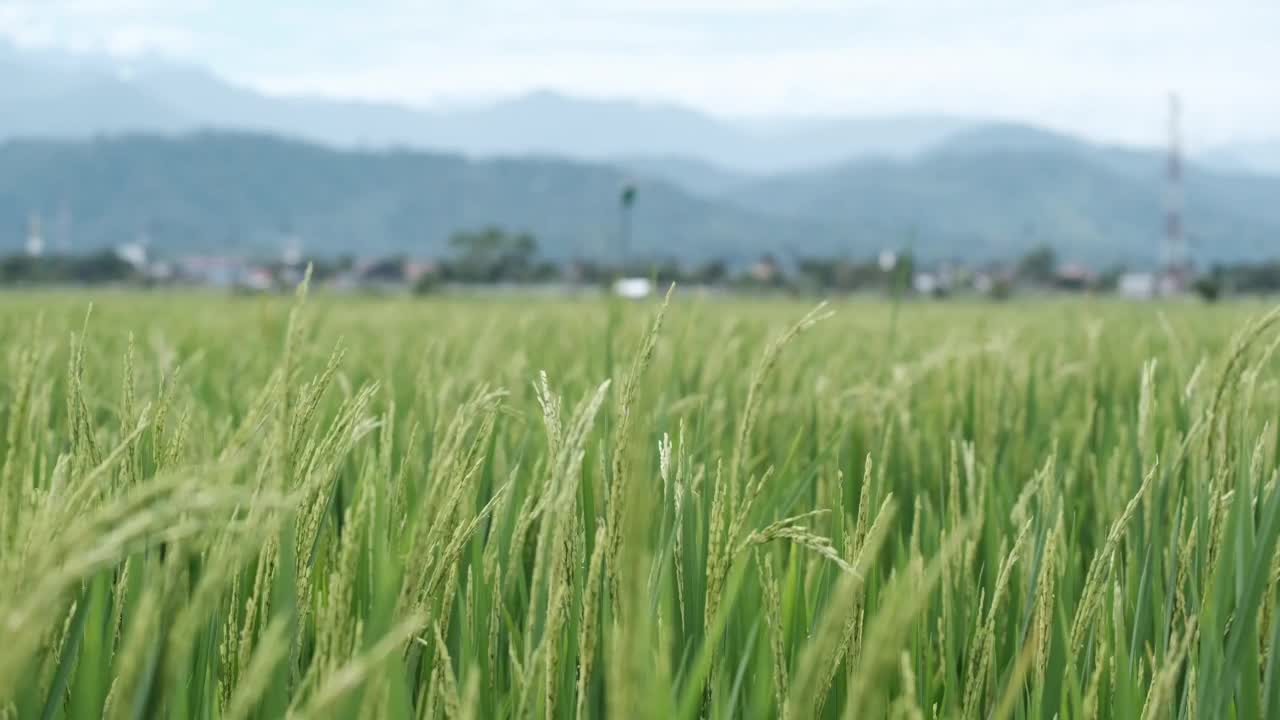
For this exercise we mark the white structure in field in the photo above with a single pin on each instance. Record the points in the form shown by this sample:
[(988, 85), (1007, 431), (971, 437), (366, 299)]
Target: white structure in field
[(888, 260), (1137, 285), (35, 238), (926, 283), (292, 251), (633, 288), (134, 253)]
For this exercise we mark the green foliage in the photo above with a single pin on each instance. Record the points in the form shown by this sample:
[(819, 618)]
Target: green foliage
[(1039, 264), (98, 267), (246, 508), (1257, 278), (492, 255), (1208, 287), (844, 275)]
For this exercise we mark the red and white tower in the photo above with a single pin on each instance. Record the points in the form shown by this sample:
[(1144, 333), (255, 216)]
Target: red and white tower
[(1174, 249)]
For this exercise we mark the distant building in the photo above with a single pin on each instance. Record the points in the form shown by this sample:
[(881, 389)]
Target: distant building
[(633, 288), (161, 271), (984, 283), (1137, 285), (415, 271), (134, 253), (389, 276), (926, 283), (291, 254), (888, 260), (766, 270), (221, 272), (257, 279), (35, 237), (1174, 280), (949, 275), (1074, 276), (580, 271)]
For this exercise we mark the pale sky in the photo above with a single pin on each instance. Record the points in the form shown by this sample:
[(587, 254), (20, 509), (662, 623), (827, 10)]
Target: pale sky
[(1102, 69)]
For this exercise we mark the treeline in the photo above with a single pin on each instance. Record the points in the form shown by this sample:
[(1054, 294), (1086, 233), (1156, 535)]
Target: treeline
[(1240, 279), (102, 267), (494, 256)]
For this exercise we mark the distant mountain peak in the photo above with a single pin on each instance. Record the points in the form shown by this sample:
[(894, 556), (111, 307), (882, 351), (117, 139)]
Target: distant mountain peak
[(1008, 137)]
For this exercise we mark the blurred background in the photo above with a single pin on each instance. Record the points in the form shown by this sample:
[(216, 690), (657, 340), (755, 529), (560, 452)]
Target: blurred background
[(933, 149)]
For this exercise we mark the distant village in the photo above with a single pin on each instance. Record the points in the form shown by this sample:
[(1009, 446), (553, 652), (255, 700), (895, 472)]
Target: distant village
[(492, 259)]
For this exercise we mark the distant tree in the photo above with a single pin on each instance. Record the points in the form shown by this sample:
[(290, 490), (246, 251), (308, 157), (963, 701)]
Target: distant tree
[(1208, 287), (626, 200), (586, 272), (17, 269), (101, 267), (1253, 278), (819, 272), (844, 275), (666, 272), (1001, 289), (492, 255), (1109, 279), (713, 272), (322, 268), (426, 284), (1039, 265), (766, 272), (391, 269), (544, 271), (902, 273)]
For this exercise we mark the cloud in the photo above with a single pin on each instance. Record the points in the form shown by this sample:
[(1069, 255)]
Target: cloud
[(1097, 67), (114, 27)]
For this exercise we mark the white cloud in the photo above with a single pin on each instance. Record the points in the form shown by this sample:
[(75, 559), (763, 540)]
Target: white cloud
[(115, 27), (1089, 66)]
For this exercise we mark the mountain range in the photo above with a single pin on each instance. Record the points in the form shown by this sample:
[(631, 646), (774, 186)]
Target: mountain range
[(61, 95), (107, 151), (219, 193), (990, 193)]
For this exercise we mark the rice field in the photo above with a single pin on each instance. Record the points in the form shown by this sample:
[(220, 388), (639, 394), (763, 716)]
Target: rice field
[(218, 507)]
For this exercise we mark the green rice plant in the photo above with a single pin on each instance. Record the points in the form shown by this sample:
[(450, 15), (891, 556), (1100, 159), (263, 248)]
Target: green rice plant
[(258, 507)]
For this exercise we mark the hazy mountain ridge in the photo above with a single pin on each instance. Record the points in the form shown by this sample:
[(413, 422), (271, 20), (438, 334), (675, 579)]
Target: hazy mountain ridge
[(1000, 190), (1258, 156), (710, 187), (80, 97), (239, 193), (233, 192)]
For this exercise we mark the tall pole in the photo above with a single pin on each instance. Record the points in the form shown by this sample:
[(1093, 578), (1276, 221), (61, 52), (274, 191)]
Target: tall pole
[(1175, 243), (626, 200)]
